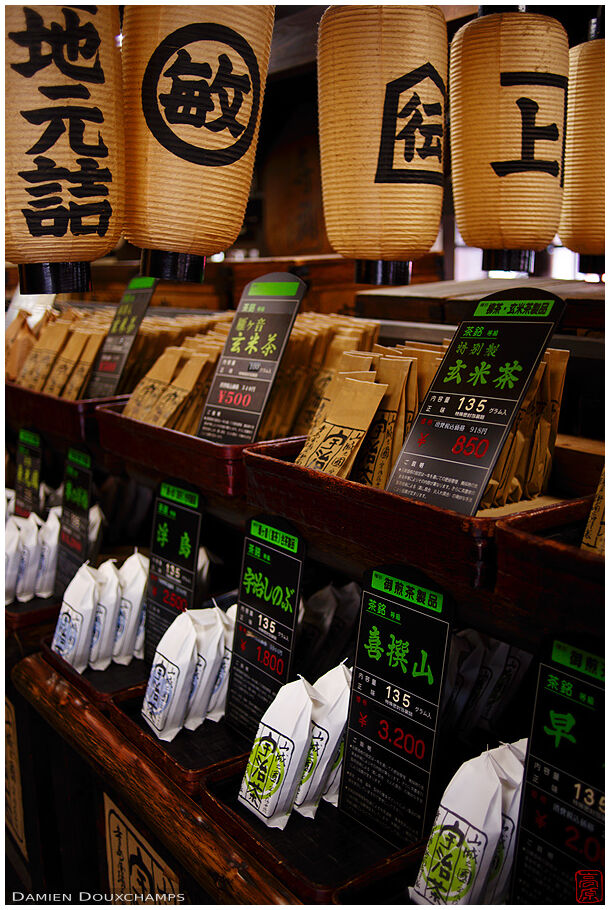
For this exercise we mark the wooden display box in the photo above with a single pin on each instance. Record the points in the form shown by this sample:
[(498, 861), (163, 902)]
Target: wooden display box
[(36, 612), (370, 526), (541, 565), (190, 755), (313, 857)]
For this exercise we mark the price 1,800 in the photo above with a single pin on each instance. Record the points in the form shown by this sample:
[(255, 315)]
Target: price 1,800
[(269, 660)]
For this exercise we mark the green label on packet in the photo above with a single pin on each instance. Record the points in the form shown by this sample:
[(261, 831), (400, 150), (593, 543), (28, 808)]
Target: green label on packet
[(521, 308), (273, 536), (577, 659), (180, 496), (411, 593)]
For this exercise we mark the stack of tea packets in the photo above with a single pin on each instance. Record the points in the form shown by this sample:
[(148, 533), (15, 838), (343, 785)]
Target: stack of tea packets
[(102, 615)]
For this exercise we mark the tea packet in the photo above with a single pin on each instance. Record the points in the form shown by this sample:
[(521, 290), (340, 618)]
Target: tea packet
[(466, 653), (595, 532), (169, 682), (106, 615), (138, 648), (74, 629), (333, 783), (218, 697), (9, 503), (42, 356), (318, 613), (328, 723), (94, 530), (519, 749), (492, 666), (505, 687), (12, 536), (151, 387), (281, 746), (29, 557), (340, 640), (65, 363), (464, 837), (209, 629), (77, 382), (510, 772), (133, 576), (48, 538)]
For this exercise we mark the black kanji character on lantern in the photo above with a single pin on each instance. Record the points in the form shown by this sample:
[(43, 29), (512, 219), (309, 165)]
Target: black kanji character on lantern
[(430, 131), (190, 101), (76, 117), (67, 44), (87, 181), (55, 221)]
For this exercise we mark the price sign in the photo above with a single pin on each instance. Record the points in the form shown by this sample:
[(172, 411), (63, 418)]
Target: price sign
[(397, 680), (251, 357), (560, 848), (173, 559), (74, 527), (113, 356), (267, 612), (27, 483), (466, 416)]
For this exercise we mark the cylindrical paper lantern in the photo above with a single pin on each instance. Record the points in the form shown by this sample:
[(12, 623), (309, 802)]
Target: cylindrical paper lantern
[(194, 84), (508, 76), (64, 165), (382, 73), (583, 213)]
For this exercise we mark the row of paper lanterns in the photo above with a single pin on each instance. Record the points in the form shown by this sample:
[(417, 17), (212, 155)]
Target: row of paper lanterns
[(159, 146)]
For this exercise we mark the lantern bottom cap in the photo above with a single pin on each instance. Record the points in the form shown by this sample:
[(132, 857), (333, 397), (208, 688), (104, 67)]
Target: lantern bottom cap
[(590, 264), (508, 261), (54, 277), (382, 271), (170, 266)]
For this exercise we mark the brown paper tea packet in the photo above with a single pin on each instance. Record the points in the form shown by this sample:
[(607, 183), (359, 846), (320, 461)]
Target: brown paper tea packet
[(18, 343), (173, 396), (76, 384), (65, 363), (558, 362), (150, 388), (595, 532), (42, 356)]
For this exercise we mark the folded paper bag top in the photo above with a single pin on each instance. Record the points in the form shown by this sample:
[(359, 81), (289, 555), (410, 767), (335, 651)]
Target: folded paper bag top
[(74, 629), (106, 616), (209, 629)]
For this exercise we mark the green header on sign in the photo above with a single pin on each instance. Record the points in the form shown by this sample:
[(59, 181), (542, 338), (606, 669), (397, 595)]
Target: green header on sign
[(273, 289), (180, 496), (272, 535), (28, 438), (141, 282), (415, 594), (538, 308), (80, 458), (577, 659)]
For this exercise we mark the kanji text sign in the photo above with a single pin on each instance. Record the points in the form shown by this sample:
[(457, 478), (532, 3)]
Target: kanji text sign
[(561, 829), (251, 357), (27, 481), (122, 333), (74, 526), (473, 400), (173, 559), (396, 690), (267, 613)]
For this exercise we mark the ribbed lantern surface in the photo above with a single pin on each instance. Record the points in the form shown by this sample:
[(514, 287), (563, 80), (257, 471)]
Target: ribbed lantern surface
[(508, 82), (583, 214), (64, 163), (382, 73), (194, 83)]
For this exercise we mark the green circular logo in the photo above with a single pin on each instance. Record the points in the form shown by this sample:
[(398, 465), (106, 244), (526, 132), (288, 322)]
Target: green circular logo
[(265, 769), (310, 764), (449, 864)]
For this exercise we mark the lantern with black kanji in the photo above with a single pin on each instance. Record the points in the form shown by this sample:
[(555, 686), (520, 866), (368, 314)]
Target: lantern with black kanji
[(508, 78), (582, 226), (64, 165), (382, 73), (194, 84)]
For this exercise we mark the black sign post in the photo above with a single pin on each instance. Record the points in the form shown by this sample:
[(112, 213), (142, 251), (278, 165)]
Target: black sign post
[(251, 357), (397, 680), (74, 526), (173, 559), (113, 356), (267, 613), (560, 848), (466, 416), (27, 483)]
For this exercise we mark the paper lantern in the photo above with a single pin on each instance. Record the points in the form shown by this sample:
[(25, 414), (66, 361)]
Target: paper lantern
[(194, 84), (64, 166), (382, 73), (583, 214), (508, 76)]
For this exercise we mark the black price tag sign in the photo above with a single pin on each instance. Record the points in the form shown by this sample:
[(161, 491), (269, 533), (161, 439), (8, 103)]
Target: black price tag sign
[(173, 560), (560, 848), (27, 483), (113, 356), (467, 414), (251, 357), (267, 613), (74, 526), (397, 680)]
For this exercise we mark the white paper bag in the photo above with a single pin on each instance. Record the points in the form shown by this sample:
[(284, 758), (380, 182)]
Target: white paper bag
[(218, 698), (169, 683), (134, 577), (9, 508), (74, 629), (328, 722), (510, 772), (94, 530), (278, 756), (464, 837), (333, 784), (106, 614), (12, 535), (29, 557), (138, 648), (48, 537), (209, 628)]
